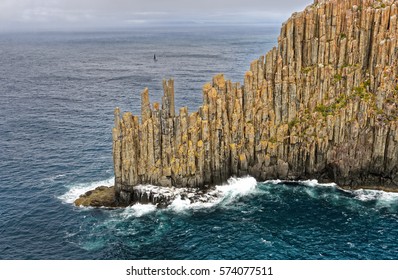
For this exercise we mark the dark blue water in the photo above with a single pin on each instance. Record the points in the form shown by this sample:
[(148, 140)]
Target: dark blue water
[(57, 95)]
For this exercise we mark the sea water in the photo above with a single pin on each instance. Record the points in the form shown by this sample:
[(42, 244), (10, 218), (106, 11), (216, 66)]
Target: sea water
[(58, 92)]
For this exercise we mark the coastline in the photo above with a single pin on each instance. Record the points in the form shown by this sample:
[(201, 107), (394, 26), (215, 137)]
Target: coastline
[(370, 188), (104, 197)]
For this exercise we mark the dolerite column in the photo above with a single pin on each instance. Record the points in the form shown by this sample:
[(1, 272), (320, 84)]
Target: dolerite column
[(225, 124), (133, 156), (165, 179), (157, 144), (183, 149), (146, 114), (145, 106), (117, 157), (214, 156), (168, 88), (192, 142), (151, 167), (129, 152)]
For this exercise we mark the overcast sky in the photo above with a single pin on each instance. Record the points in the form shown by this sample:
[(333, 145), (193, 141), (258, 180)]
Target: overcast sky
[(75, 14)]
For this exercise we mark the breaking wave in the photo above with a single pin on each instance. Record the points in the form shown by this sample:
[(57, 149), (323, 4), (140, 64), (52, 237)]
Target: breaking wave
[(308, 183), (374, 195), (227, 193), (237, 187), (76, 190), (138, 210), (234, 189)]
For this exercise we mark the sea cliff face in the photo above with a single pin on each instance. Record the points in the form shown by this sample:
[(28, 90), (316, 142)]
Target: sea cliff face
[(321, 105)]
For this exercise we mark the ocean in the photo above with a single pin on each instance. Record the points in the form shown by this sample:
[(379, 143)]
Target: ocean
[(58, 91)]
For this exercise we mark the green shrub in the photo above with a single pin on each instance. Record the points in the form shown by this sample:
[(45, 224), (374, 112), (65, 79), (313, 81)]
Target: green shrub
[(337, 77), (293, 123), (324, 110)]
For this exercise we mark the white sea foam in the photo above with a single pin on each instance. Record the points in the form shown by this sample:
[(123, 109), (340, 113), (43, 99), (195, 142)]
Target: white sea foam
[(308, 183), (273, 182), (74, 191), (311, 192), (227, 193), (372, 195), (180, 205), (237, 187), (266, 241), (138, 210), (54, 178), (315, 183)]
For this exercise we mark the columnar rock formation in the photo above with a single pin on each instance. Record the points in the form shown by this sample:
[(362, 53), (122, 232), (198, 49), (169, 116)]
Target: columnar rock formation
[(320, 105)]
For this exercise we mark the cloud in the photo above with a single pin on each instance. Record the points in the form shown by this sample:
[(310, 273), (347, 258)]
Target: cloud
[(103, 13)]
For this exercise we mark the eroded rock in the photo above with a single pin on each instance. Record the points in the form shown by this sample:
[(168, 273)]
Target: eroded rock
[(322, 105), (100, 197)]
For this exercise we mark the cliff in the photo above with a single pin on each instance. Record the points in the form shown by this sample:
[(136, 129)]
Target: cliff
[(321, 105)]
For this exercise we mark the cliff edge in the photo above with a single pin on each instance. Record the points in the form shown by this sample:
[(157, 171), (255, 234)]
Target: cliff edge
[(321, 105)]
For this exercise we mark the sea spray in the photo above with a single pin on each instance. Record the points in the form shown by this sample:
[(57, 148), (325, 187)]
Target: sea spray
[(76, 190), (371, 195), (184, 201), (182, 198), (138, 210), (315, 183), (237, 187), (229, 192), (308, 183)]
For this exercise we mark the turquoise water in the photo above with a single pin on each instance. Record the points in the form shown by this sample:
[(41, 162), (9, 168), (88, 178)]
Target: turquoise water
[(58, 92)]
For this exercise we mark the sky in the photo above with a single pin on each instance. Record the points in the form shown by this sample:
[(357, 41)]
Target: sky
[(81, 14)]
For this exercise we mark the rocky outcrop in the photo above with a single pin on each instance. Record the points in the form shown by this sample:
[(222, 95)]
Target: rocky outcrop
[(321, 105), (147, 194), (100, 197)]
